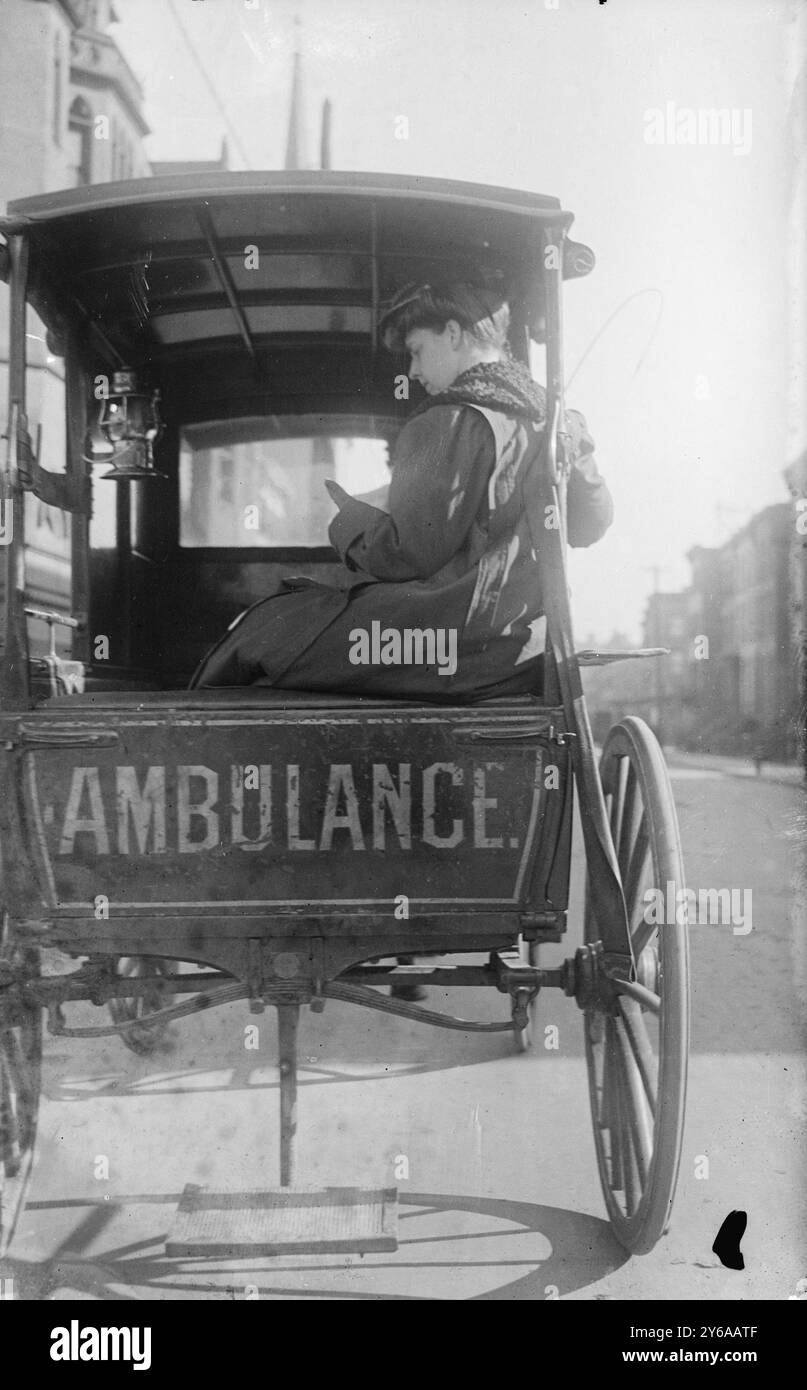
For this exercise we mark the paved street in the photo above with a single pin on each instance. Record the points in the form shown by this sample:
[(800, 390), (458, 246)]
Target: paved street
[(502, 1199)]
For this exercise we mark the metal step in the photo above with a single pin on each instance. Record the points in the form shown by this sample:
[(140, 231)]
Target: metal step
[(589, 657), (333, 1220)]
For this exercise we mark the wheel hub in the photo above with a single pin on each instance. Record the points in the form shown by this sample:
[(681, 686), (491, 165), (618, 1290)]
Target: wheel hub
[(647, 969), (585, 980)]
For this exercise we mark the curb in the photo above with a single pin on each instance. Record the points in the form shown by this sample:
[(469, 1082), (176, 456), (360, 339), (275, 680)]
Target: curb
[(784, 774)]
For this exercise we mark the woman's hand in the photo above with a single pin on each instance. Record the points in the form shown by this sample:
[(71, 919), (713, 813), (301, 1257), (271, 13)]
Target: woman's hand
[(337, 493)]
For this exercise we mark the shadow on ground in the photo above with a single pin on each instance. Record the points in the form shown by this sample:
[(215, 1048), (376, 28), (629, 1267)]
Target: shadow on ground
[(447, 1244)]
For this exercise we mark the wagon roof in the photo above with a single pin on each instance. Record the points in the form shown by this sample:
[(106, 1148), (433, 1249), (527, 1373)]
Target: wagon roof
[(220, 264), (335, 184)]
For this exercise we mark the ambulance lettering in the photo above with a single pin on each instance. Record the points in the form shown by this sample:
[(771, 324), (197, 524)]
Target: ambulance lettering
[(195, 809)]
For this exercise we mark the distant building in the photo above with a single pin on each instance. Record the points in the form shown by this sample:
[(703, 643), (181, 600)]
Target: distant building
[(652, 687), (706, 600), (666, 624), (796, 478), (105, 123), (193, 166), (70, 114), (731, 681), (746, 686), (758, 611), (612, 691), (796, 260), (70, 105)]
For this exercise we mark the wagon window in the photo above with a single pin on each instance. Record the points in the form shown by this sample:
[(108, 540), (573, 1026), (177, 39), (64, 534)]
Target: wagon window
[(261, 483)]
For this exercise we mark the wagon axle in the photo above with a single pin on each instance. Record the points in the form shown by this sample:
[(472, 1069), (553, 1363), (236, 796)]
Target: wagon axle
[(583, 977)]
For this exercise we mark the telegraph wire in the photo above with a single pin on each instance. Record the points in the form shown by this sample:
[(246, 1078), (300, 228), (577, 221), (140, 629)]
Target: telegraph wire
[(194, 52), (650, 289)]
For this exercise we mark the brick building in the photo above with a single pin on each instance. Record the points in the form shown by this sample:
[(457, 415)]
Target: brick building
[(746, 688), (796, 479), (731, 681)]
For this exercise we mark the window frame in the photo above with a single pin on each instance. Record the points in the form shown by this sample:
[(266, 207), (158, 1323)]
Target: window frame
[(317, 553)]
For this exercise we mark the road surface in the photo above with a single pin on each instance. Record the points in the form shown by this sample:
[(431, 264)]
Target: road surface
[(492, 1152)]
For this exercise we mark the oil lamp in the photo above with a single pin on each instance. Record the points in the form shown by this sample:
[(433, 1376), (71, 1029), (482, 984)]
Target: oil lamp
[(129, 420)]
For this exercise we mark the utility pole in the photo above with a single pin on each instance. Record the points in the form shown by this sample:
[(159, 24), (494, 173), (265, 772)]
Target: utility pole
[(296, 143), (325, 136), (655, 638)]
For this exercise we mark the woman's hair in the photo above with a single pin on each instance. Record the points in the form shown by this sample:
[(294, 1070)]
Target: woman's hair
[(482, 312)]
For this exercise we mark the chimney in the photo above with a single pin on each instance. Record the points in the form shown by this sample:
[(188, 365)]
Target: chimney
[(325, 136)]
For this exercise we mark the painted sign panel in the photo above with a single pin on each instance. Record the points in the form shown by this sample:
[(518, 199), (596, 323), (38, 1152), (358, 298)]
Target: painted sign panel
[(229, 814)]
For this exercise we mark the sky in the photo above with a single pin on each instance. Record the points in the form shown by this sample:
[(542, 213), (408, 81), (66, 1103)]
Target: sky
[(685, 393)]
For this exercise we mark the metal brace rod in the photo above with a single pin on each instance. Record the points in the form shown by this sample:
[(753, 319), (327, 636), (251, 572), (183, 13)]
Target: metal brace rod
[(360, 994), (288, 1018), (225, 278), (227, 995)]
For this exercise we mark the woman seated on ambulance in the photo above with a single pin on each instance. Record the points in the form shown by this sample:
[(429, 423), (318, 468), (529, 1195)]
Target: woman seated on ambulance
[(448, 551)]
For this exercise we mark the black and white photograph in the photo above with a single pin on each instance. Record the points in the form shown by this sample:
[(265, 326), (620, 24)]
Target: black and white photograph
[(403, 662)]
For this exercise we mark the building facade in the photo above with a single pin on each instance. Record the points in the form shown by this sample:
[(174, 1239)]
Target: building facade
[(796, 479), (731, 683), (70, 114), (105, 125)]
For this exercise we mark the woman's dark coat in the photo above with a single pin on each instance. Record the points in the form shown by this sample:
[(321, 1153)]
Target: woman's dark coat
[(453, 551)]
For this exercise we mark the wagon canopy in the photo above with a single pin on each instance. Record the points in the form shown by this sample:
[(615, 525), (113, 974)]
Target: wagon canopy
[(232, 286)]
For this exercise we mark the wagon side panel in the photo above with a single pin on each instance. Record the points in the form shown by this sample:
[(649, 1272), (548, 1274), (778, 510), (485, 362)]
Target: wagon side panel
[(239, 816)]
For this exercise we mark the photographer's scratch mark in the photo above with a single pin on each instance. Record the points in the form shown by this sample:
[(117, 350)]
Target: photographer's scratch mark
[(727, 1240)]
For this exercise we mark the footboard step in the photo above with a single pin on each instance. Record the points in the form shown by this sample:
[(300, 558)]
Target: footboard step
[(332, 1220)]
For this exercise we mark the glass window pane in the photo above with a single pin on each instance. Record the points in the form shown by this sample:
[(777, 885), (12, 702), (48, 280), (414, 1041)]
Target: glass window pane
[(103, 523), (244, 483)]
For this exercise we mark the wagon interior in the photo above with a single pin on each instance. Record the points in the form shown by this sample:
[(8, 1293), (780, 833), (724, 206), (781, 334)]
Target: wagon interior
[(251, 305)]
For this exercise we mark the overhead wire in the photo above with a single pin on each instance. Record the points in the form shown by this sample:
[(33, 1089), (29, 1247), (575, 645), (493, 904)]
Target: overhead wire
[(650, 289), (210, 84)]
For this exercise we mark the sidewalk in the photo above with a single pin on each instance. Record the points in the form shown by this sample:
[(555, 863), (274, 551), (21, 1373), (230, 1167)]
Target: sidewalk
[(789, 773)]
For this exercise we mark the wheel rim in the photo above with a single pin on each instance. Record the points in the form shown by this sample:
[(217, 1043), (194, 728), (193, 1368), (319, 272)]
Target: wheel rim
[(20, 1082), (637, 1057), (128, 1009)]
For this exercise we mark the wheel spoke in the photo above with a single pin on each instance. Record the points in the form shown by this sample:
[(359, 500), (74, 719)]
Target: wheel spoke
[(645, 997), (632, 1182), (19, 1071), (18, 1099), (632, 877), (641, 1049), (20, 1064), (9, 1117), (595, 1024), (609, 810), (627, 831), (641, 936), (596, 1027), (614, 1108), (635, 1107), (621, 782), (135, 1008)]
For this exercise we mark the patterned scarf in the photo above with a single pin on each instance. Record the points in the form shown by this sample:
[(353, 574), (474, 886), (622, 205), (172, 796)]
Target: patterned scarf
[(505, 386)]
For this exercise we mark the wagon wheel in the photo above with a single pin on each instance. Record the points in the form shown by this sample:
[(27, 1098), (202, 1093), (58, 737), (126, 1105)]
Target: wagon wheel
[(637, 1053), (147, 1038), (20, 1083), (523, 1037)]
